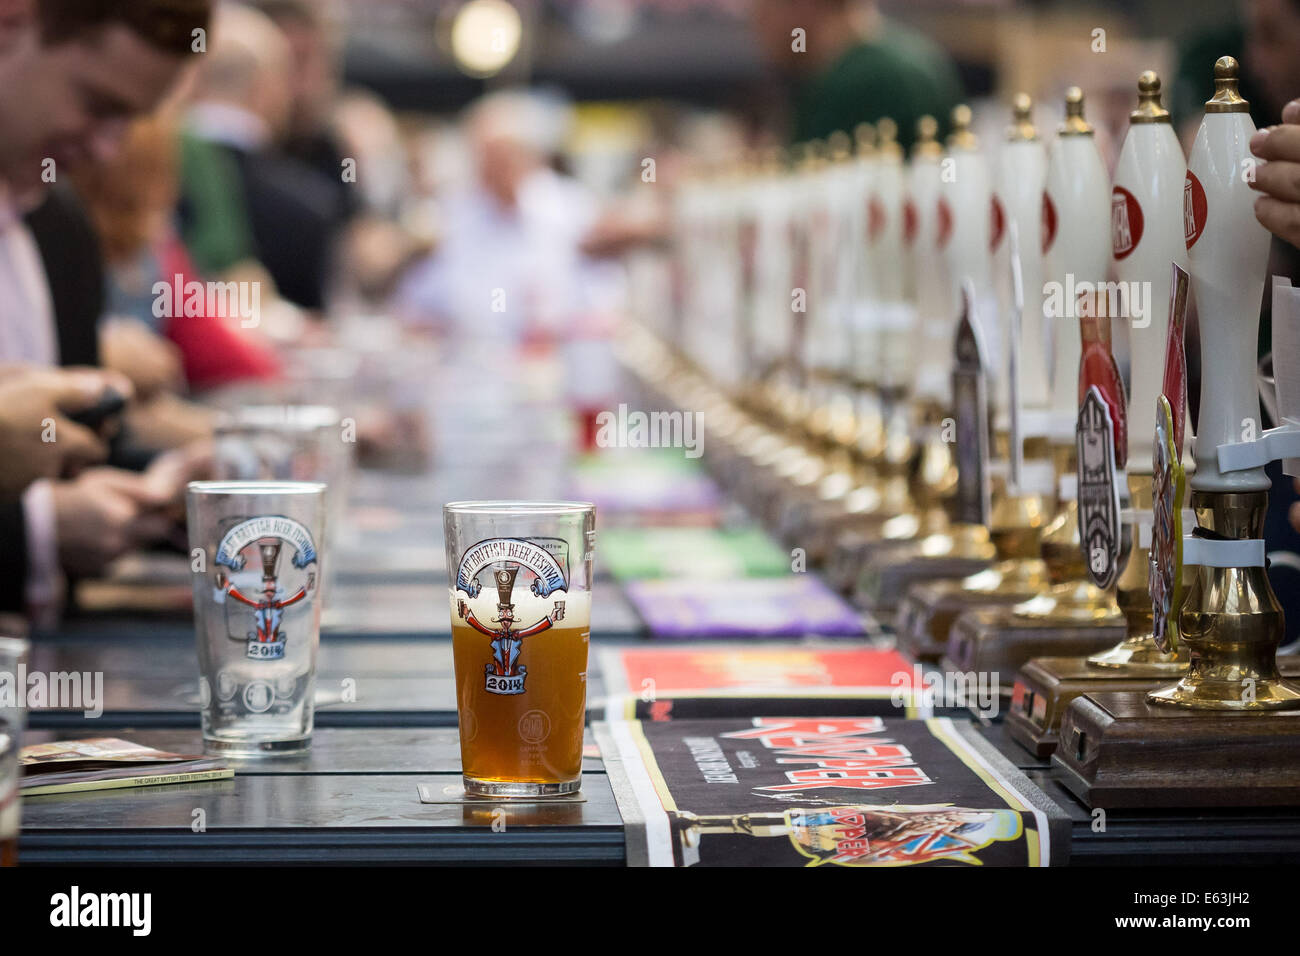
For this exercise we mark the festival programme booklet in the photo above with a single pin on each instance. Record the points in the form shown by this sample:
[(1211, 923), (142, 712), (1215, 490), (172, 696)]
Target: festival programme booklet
[(107, 763), (813, 791)]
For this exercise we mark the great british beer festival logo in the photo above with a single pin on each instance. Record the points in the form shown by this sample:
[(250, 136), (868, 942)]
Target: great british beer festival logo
[(505, 558), (268, 534)]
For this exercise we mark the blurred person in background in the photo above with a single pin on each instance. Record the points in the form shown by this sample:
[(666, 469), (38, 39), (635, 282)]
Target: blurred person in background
[(131, 200), (1278, 209), (328, 130), (509, 263), (72, 75), (308, 135), (1273, 53), (853, 65), (1278, 178), (241, 196), (377, 245), (1264, 36)]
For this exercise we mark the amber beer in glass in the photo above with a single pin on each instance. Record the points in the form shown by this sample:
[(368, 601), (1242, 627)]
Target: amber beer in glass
[(520, 601)]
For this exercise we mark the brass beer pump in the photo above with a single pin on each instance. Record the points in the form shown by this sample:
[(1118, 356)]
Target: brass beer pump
[(1228, 732), (1017, 521)]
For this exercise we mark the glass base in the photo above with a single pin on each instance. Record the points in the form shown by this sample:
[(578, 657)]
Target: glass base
[(235, 747), (513, 788)]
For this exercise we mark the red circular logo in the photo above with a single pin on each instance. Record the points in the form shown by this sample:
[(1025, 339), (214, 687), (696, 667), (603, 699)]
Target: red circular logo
[(1049, 223), (945, 223), (1126, 222), (997, 223), (1195, 209)]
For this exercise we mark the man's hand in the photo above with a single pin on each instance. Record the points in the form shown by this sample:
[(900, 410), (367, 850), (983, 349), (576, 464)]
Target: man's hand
[(168, 474), (1278, 209), (37, 439), (151, 362), (101, 515)]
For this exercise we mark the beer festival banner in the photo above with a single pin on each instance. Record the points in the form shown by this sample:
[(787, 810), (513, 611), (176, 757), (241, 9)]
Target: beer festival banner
[(813, 791)]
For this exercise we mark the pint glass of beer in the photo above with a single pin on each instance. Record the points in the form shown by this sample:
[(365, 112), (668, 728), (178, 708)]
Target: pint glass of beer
[(13, 654), (520, 600), (257, 602)]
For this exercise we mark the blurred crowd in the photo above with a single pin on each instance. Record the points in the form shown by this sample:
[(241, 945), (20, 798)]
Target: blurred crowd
[(191, 204), (190, 198)]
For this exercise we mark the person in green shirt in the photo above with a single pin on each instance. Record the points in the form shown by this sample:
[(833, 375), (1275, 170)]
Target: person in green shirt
[(851, 65)]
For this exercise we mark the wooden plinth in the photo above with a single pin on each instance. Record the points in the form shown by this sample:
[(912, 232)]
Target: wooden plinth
[(891, 571), (995, 640), (852, 550), (1045, 687), (926, 615), (1118, 751)]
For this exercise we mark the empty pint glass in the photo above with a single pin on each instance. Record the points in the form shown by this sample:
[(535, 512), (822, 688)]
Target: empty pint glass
[(13, 654), (254, 549), (520, 600), (288, 443)]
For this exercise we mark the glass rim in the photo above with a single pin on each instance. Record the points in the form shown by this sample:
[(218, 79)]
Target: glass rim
[(526, 509), (289, 417), (258, 487)]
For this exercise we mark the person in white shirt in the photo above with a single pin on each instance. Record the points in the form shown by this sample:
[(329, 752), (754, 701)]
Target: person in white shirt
[(509, 263)]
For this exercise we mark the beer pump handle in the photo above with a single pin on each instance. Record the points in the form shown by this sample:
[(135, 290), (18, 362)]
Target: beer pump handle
[(1227, 254), (1015, 397), (1283, 442)]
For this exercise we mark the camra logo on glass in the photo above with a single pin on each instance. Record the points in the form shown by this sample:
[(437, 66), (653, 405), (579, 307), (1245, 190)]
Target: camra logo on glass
[(504, 558)]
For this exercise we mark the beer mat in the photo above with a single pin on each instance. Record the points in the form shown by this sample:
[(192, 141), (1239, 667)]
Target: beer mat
[(810, 791), (455, 793), (792, 606), (676, 683), (676, 552)]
